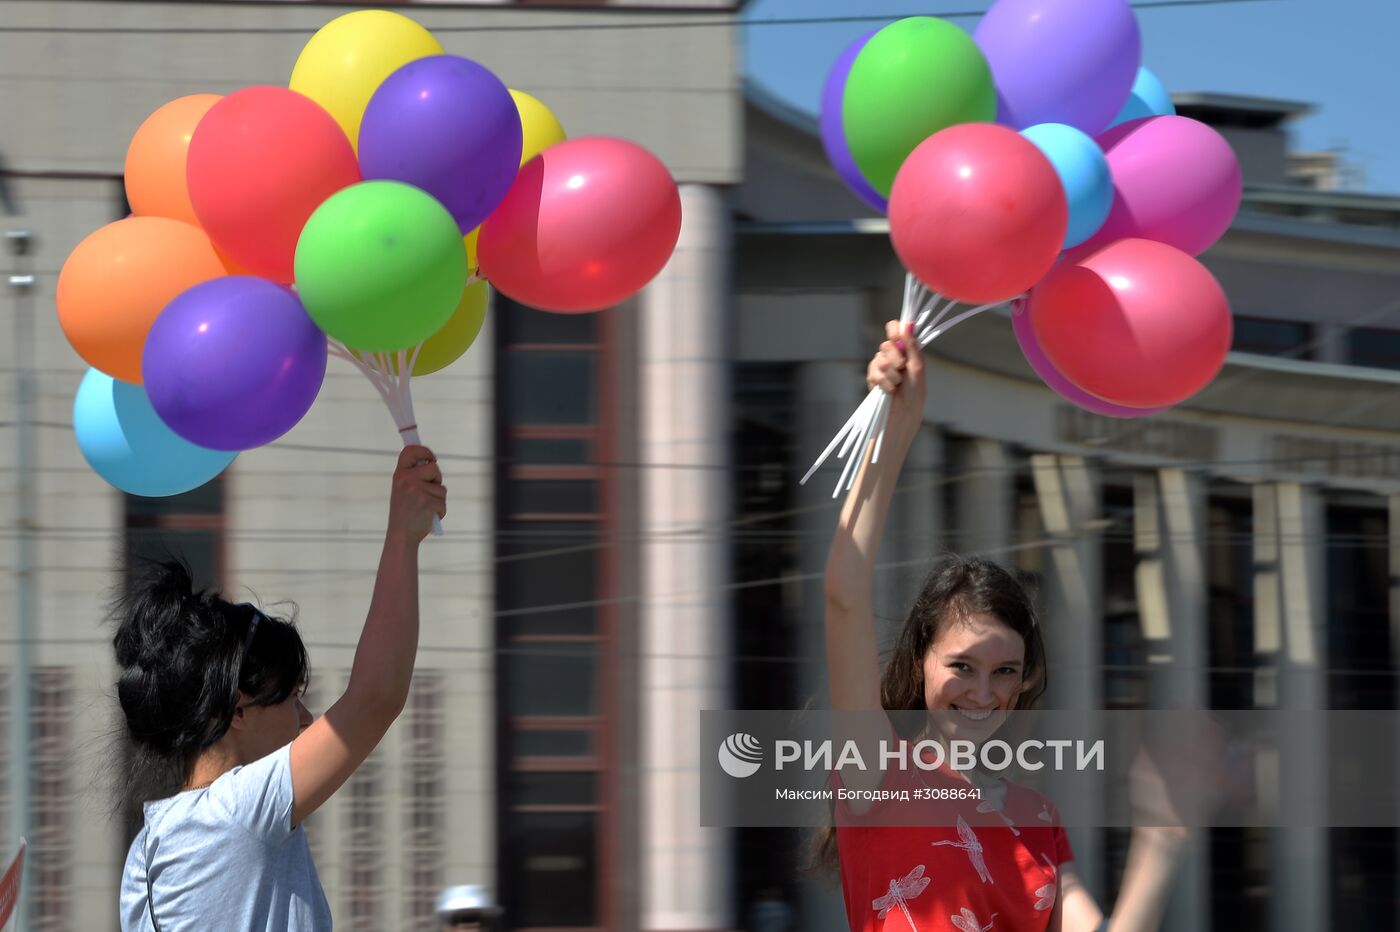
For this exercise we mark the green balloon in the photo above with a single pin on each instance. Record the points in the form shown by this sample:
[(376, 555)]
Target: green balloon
[(913, 78), (380, 266)]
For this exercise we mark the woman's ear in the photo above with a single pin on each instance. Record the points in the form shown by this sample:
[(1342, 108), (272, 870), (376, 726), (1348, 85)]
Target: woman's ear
[(239, 716)]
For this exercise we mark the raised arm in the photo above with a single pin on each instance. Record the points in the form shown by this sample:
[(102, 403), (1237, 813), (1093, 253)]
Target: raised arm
[(325, 755), (853, 666)]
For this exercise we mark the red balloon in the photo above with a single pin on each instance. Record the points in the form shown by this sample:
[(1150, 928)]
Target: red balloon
[(1136, 323), (586, 224), (260, 162), (978, 213)]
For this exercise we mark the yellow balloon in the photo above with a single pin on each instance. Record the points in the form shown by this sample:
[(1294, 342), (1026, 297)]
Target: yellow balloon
[(539, 128), (349, 57), (457, 335), (470, 240)]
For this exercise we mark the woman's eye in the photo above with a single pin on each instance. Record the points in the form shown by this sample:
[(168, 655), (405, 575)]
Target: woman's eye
[(962, 667)]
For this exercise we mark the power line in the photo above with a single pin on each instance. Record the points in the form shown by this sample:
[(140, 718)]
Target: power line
[(719, 21), (390, 452)]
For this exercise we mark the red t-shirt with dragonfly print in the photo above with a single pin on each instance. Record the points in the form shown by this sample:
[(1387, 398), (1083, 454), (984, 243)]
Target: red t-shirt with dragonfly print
[(988, 869)]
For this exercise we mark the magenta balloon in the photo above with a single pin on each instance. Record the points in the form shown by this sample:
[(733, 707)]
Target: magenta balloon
[(1030, 348), (233, 362), (1061, 61), (833, 127), (1175, 180), (449, 126)]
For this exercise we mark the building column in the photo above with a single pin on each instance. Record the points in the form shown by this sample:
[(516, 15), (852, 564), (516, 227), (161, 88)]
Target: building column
[(1072, 615), (1290, 604), (984, 497), (1169, 537), (684, 613)]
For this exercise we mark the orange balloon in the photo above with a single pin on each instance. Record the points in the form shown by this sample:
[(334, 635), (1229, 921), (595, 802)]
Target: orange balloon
[(118, 280), (155, 160)]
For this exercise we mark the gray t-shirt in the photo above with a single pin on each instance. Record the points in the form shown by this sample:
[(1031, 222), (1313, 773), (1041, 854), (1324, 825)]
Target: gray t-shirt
[(226, 857)]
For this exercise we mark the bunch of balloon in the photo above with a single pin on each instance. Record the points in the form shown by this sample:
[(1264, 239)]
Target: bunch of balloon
[(1037, 162), (343, 215)]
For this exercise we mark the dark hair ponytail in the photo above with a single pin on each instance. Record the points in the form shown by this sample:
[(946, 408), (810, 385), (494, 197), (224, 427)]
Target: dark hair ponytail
[(184, 656)]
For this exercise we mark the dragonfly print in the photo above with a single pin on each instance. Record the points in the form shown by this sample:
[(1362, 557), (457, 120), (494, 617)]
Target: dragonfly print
[(972, 846), (986, 806), (967, 921), (901, 892), (1046, 893)]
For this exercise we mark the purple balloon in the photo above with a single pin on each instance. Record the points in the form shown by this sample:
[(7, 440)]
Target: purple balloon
[(449, 126), (1061, 61), (834, 128), (1030, 347), (233, 362)]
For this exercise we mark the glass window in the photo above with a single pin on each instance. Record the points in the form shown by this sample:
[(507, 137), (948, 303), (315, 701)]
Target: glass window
[(1273, 337), (549, 451), (545, 564), (552, 679), (550, 388), (552, 497), (526, 325), (208, 499), (541, 788), (553, 742), (198, 548), (552, 870), (1371, 346)]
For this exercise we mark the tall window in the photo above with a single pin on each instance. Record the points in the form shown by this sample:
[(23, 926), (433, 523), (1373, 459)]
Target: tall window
[(767, 618), (423, 801), (557, 571), (1361, 675), (51, 851), (1124, 650), (1241, 866), (188, 527), (364, 850)]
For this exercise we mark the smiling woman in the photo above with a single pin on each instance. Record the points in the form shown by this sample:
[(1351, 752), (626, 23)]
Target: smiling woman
[(970, 651)]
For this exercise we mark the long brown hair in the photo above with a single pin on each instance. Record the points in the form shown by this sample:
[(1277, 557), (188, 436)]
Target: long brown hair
[(957, 588)]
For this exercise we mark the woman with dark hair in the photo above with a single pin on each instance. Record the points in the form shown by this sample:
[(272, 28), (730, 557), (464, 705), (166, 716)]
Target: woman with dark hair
[(970, 651), (211, 694)]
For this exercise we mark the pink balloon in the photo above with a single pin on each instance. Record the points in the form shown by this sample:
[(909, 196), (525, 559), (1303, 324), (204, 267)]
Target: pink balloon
[(1030, 348), (1136, 323), (978, 213), (1175, 180), (587, 223)]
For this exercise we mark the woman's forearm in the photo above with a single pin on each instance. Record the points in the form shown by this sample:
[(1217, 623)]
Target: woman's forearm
[(850, 566), (383, 666), (1153, 858)]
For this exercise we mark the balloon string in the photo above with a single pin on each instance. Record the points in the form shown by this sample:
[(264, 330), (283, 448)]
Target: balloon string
[(933, 331)]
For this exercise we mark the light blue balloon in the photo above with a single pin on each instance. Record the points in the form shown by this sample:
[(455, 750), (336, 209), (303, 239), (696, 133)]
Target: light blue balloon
[(126, 443), (1147, 98), (1083, 172)]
